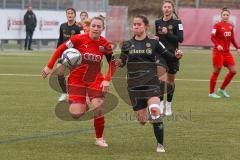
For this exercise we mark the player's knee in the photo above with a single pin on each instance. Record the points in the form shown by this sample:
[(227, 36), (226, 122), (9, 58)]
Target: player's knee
[(97, 102), (77, 110), (98, 112), (142, 120), (217, 70), (76, 116), (171, 82), (155, 112), (153, 100), (141, 116)]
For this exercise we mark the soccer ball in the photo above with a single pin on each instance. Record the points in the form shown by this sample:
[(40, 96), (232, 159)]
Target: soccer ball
[(71, 58)]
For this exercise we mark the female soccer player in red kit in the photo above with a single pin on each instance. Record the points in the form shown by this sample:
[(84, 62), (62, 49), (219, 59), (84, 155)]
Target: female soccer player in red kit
[(87, 79), (222, 36)]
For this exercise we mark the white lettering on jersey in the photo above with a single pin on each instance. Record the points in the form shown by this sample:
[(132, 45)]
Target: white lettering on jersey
[(69, 44), (92, 57), (180, 27), (227, 34)]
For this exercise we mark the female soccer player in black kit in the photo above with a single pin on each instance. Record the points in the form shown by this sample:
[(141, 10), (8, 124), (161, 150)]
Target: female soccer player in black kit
[(169, 31), (141, 55), (67, 30)]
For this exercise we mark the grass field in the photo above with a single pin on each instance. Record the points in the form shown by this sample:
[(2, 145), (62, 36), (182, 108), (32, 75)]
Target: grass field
[(200, 129)]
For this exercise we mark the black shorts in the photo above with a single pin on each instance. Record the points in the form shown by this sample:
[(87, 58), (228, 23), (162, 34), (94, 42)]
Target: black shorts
[(140, 95), (171, 66), (143, 83)]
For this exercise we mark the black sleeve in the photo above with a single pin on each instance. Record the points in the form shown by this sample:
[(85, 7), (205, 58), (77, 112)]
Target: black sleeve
[(78, 31), (25, 19), (156, 28), (109, 57), (178, 38), (35, 21), (162, 51), (125, 52), (60, 39)]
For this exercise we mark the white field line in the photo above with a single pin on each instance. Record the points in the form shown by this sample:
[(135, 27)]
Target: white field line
[(178, 79)]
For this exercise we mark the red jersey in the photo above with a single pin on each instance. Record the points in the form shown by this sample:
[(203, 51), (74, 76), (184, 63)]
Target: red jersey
[(223, 34), (92, 54)]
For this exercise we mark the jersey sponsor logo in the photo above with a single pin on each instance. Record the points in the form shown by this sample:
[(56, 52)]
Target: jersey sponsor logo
[(73, 32), (148, 44), (101, 48), (149, 51), (180, 27), (137, 51), (92, 57), (214, 31), (69, 44), (227, 34)]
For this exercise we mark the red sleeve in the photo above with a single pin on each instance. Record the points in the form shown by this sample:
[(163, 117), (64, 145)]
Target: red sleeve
[(213, 35), (233, 40), (58, 52), (111, 63)]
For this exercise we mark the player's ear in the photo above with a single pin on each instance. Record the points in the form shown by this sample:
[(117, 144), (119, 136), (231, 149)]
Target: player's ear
[(147, 27)]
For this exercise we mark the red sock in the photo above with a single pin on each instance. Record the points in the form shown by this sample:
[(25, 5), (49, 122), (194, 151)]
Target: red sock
[(227, 80), (99, 126), (213, 81)]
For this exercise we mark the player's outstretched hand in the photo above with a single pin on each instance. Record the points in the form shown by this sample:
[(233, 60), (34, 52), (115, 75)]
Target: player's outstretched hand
[(46, 71), (156, 38), (105, 86), (238, 52), (178, 53)]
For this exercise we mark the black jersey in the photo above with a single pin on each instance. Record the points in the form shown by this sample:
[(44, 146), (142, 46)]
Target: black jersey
[(174, 35), (67, 31), (147, 50), (142, 58)]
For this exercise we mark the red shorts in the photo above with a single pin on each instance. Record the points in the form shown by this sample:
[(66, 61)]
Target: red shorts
[(222, 59), (78, 89)]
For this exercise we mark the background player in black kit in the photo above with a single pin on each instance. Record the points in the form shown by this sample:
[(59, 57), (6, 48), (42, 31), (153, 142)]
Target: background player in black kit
[(67, 30), (141, 55), (169, 31)]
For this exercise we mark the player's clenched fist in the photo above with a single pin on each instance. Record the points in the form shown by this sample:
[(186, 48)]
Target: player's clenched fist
[(46, 71)]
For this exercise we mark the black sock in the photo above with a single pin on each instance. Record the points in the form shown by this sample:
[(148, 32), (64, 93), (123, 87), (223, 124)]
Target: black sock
[(158, 131), (62, 83), (171, 89), (162, 90)]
